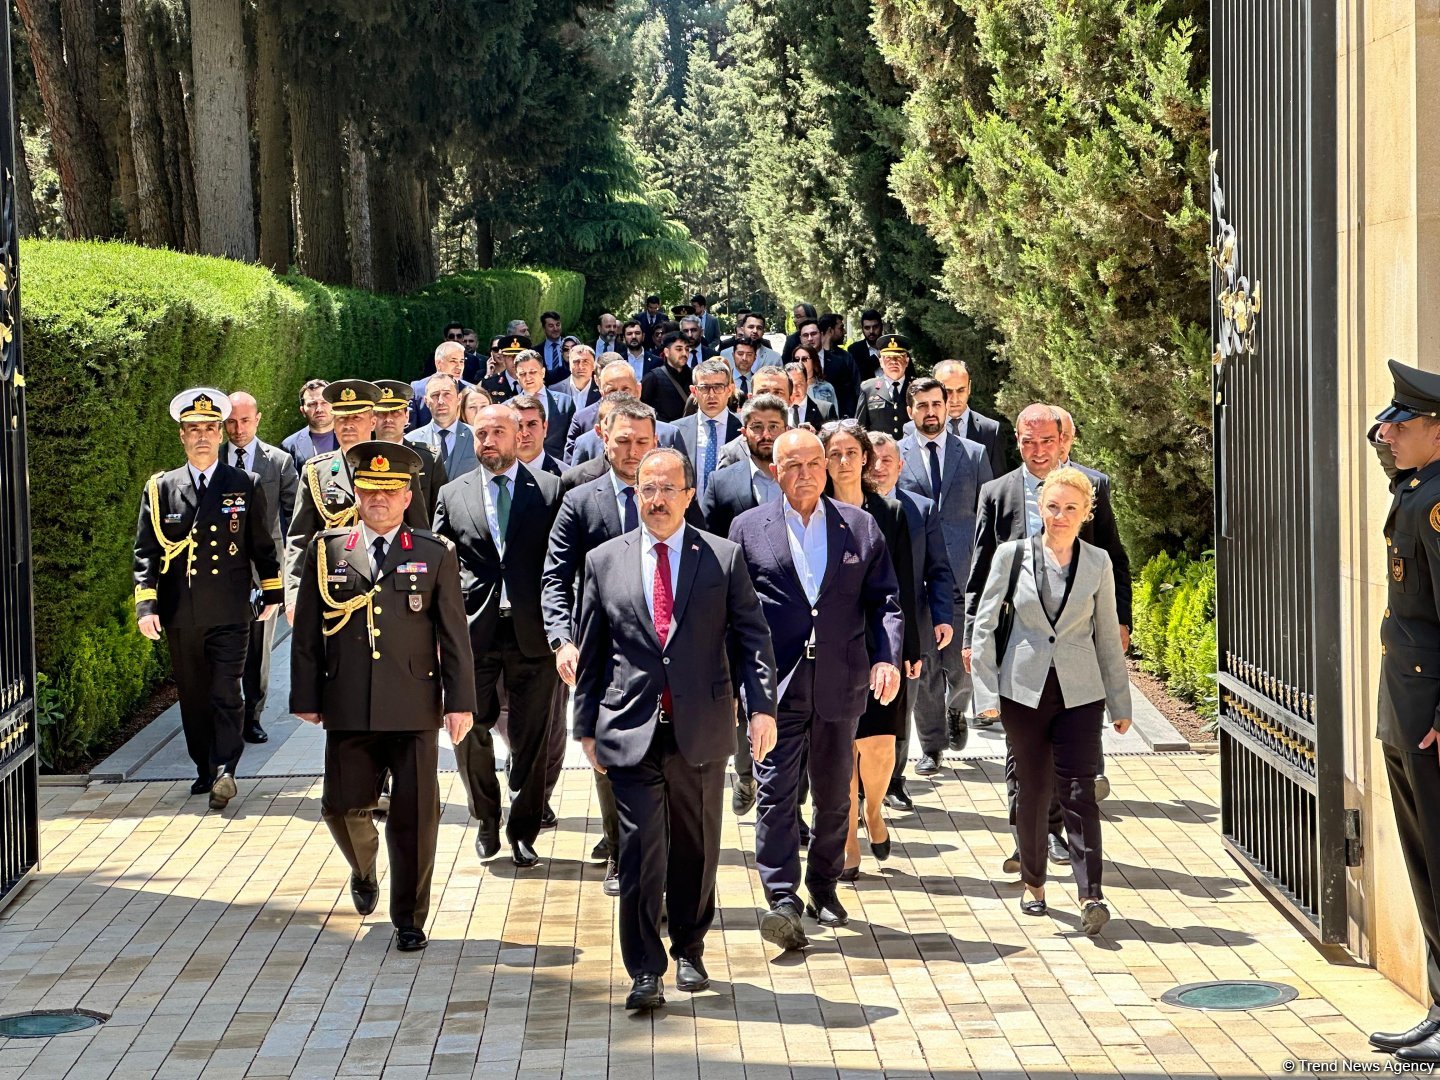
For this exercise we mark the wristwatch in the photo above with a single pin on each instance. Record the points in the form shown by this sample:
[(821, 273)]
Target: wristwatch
[(556, 644)]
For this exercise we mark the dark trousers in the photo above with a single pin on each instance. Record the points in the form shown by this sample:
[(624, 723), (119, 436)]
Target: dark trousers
[(559, 731), (256, 683), (529, 686), (944, 684), (355, 766), (824, 750), (1415, 792), (1056, 749), (669, 813), (209, 664), (744, 758)]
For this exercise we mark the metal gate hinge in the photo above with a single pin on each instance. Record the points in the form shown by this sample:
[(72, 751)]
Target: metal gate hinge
[(1354, 851)]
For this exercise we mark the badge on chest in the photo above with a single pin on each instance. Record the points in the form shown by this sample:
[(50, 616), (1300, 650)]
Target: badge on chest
[(1397, 569)]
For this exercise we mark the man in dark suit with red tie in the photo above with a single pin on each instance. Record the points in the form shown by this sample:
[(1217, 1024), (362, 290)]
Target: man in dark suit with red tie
[(825, 580), (661, 729)]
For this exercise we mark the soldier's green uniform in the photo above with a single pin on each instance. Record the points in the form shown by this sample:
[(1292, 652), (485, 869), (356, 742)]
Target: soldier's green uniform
[(395, 397), (381, 650), (1409, 707)]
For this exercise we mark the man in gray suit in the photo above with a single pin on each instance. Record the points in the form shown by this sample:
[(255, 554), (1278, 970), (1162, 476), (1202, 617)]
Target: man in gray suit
[(448, 437), (276, 471), (962, 420), (950, 472), (661, 730)]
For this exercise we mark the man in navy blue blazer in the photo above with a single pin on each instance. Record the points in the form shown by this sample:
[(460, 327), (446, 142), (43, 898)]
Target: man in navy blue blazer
[(559, 409), (449, 360), (825, 583)]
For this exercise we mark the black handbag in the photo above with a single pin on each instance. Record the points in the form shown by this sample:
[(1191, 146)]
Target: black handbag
[(1006, 622)]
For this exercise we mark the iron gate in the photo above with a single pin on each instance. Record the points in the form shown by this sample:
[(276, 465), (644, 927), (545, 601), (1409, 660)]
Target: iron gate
[(19, 797), (1276, 465)]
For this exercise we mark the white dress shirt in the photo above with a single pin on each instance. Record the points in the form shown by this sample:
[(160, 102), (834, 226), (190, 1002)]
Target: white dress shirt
[(923, 441), (702, 442), (368, 536), (489, 491), (1032, 502), (648, 543), (808, 547), (637, 365), (959, 425), (762, 483), (619, 486)]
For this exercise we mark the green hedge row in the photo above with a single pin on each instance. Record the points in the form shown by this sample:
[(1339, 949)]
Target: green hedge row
[(1175, 626), (111, 333)]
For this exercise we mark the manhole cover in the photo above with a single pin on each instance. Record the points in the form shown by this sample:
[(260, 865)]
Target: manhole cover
[(1230, 995), (41, 1025)]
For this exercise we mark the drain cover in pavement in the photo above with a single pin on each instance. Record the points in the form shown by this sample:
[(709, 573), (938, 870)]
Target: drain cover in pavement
[(41, 1025), (1230, 995)]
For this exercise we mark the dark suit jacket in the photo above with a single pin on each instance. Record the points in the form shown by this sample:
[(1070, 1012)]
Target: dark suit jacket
[(964, 471), (648, 322), (894, 524), (729, 495), (1001, 517), (859, 592), (559, 412), (499, 387), (840, 372), (587, 471), (547, 464), (588, 446), (419, 411), (687, 430), (878, 411), (209, 584), (666, 391), (867, 365), (424, 668), (558, 372), (433, 476), (623, 668), (979, 429), (280, 479), (934, 581), (460, 516)]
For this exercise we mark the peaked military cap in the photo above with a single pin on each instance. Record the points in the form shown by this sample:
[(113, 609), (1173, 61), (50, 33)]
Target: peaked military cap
[(513, 343), (382, 466), (199, 404), (893, 343), (349, 396), (394, 395), (1417, 393)]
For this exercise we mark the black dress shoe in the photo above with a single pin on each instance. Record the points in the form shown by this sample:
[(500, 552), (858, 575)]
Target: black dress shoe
[(522, 854), (222, 790), (927, 765), (826, 909), (1398, 1040), (254, 733), (410, 939), (880, 850), (742, 798), (611, 884), (1426, 1053), (1057, 850), (1029, 905), (646, 992), (202, 785), (849, 874), (1102, 788), (690, 974), (781, 926), (983, 722), (957, 730), (365, 892), (487, 839), (897, 798), (1012, 864), (804, 835), (601, 851), (548, 820)]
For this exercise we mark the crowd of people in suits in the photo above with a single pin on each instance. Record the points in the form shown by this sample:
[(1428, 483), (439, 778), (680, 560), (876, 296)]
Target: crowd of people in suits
[(678, 549)]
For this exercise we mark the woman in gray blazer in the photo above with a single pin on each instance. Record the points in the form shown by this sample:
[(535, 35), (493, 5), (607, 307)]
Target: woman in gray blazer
[(1062, 667)]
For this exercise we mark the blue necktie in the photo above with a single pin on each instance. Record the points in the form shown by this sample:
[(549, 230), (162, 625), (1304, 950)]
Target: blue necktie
[(445, 445), (934, 471), (710, 451), (632, 516)]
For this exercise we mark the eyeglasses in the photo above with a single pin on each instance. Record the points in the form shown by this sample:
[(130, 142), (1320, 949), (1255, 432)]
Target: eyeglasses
[(765, 429), (711, 388), (658, 491), (453, 337)]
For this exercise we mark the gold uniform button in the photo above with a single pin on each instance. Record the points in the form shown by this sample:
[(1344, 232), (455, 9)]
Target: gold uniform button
[(1387, 613), (378, 612), (412, 577), (214, 543), (214, 528), (377, 631), (374, 656), (1417, 669), (1387, 539), (215, 571), (1382, 650), (429, 674), (214, 558)]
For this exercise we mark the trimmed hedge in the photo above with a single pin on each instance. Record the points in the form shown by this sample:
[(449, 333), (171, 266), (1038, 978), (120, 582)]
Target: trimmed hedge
[(1175, 627), (111, 333)]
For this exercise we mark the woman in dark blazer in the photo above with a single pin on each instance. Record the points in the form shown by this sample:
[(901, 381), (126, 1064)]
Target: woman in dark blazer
[(1062, 668), (847, 456)]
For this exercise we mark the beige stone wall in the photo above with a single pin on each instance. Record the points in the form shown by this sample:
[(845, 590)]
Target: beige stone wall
[(1389, 250)]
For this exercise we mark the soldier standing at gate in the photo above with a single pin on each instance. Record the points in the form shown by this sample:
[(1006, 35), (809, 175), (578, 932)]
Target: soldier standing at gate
[(1407, 440), (381, 658), (202, 531)]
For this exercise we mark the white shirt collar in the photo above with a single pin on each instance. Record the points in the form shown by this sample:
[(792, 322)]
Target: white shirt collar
[(675, 543), (209, 473), (1030, 478), (817, 515), (619, 485), (924, 439), (512, 472), (963, 418)]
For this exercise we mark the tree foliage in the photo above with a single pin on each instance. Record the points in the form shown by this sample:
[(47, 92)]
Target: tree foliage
[(1057, 152)]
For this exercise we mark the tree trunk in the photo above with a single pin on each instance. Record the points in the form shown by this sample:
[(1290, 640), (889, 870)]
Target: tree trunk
[(151, 182), (383, 255), (319, 163), (175, 132), (79, 158), (85, 67), (357, 210), (484, 226), (275, 183), (27, 224), (222, 129), (190, 197), (413, 257), (127, 187)]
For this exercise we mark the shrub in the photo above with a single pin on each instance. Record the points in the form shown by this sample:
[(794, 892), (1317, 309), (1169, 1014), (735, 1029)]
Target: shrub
[(111, 333), (1174, 630)]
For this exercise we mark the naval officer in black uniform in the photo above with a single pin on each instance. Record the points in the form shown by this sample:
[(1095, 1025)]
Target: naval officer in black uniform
[(203, 528), (381, 658), (1407, 440)]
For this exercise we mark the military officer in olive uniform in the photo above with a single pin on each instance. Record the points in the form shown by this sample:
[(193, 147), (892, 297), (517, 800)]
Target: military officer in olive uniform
[(381, 659), (392, 411), (1407, 439), (202, 530), (327, 499), (882, 399)]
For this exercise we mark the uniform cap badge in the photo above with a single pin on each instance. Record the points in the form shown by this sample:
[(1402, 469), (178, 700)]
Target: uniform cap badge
[(1435, 517), (379, 464)]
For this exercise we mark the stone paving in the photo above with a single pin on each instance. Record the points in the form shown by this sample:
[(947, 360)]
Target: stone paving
[(225, 945)]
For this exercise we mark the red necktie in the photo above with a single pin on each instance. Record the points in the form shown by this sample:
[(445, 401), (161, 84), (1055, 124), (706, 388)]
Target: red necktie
[(663, 604)]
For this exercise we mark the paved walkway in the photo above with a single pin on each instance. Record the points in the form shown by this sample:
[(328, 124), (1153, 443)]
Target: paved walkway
[(224, 945)]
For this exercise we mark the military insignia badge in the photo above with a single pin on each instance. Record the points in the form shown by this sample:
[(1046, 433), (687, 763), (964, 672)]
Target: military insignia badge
[(1435, 517), (416, 600), (234, 549), (348, 394), (1397, 568), (379, 464)]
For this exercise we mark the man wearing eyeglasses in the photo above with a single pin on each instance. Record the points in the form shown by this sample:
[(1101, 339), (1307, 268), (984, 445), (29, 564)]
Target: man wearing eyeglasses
[(712, 425), (654, 700)]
